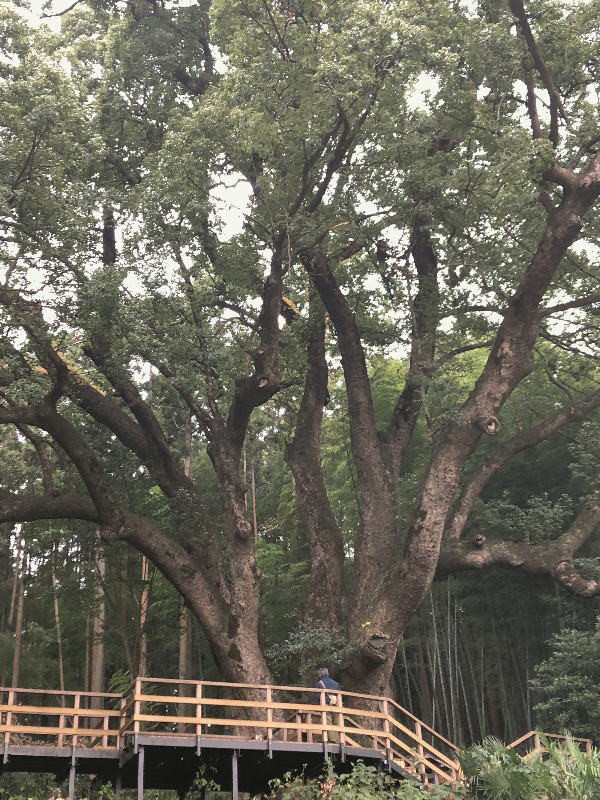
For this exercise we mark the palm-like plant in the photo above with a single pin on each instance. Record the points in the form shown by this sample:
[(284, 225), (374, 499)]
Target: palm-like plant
[(562, 772), (574, 774)]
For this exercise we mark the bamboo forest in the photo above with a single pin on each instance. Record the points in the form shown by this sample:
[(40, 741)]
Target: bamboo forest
[(299, 399)]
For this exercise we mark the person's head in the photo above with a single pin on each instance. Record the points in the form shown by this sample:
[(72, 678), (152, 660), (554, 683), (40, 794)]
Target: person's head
[(323, 672)]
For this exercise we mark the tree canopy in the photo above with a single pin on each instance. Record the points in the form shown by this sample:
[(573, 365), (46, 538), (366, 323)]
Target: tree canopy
[(413, 264)]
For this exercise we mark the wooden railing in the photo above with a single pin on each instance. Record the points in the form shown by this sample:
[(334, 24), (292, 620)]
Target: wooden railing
[(60, 719), (530, 744), (163, 707), (160, 707)]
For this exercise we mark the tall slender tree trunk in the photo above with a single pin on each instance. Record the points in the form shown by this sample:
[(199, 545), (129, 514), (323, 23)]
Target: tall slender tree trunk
[(15, 583), (143, 660), (184, 672), (86, 659), (97, 632), (425, 704), (61, 663), (20, 602)]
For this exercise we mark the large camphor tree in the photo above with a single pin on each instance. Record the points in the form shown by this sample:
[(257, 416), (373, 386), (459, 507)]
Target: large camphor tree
[(414, 178)]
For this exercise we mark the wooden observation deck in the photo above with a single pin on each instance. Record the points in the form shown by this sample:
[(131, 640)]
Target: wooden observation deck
[(160, 732)]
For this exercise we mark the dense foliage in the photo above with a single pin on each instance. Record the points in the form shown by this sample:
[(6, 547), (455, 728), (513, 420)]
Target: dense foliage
[(492, 771), (567, 683)]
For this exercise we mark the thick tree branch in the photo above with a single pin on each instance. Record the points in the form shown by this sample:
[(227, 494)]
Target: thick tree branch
[(157, 454), (376, 540), (303, 455), (518, 10), (366, 447), (254, 390), (581, 302), (508, 449), (28, 508), (555, 559), (28, 315), (457, 351), (40, 448), (425, 318), (86, 462), (509, 361), (536, 128), (18, 415), (46, 417)]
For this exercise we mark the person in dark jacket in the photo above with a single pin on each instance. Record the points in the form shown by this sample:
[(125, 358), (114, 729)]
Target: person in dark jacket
[(325, 682)]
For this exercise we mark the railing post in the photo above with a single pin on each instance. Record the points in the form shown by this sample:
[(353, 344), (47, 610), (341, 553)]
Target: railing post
[(420, 751), (198, 710), (9, 718), (105, 722), (76, 706), (341, 721), (137, 690), (323, 716), (536, 741), (386, 730), (61, 725), (269, 712), (120, 720), (299, 724)]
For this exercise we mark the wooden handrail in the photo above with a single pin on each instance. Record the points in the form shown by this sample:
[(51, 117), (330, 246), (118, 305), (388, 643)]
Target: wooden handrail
[(59, 693), (385, 735), (63, 711), (521, 739), (395, 732), (537, 746), (423, 724)]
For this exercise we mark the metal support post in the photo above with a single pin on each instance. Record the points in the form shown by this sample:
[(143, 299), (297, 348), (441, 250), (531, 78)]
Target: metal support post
[(72, 779), (118, 783), (140, 774), (235, 794)]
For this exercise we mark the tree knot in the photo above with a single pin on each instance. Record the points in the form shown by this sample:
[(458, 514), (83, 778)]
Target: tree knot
[(490, 425)]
